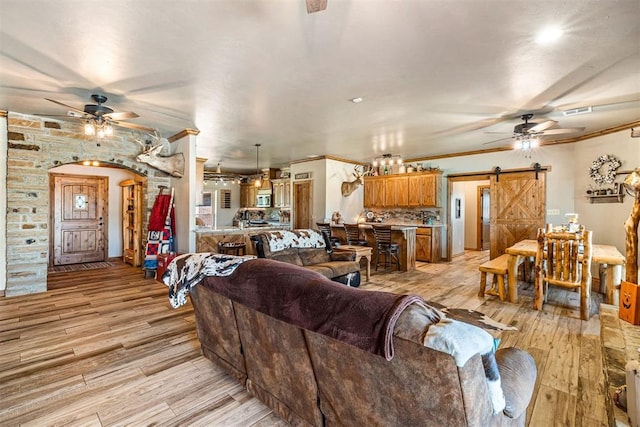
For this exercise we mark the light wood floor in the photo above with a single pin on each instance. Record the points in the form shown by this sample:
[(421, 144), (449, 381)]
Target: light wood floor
[(103, 347)]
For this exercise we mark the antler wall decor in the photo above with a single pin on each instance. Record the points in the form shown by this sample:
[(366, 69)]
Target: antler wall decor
[(349, 187), (173, 164)]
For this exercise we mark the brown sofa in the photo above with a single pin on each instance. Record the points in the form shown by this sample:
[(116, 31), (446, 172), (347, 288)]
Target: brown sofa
[(320, 375), (310, 249)]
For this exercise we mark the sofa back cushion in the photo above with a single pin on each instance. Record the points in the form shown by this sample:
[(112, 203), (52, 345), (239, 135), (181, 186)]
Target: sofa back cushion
[(313, 256), (275, 241), (217, 329), (279, 369), (418, 387), (290, 256)]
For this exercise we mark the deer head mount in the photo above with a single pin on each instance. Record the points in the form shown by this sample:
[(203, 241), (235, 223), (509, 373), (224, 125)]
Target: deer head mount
[(349, 187), (173, 164)]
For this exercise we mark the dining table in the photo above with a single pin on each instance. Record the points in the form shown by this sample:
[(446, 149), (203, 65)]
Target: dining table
[(608, 256)]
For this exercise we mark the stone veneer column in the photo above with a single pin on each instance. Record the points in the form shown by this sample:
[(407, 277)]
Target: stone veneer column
[(35, 145), (3, 202)]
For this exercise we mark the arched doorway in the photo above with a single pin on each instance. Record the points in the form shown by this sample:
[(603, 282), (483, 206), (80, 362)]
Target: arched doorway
[(93, 231)]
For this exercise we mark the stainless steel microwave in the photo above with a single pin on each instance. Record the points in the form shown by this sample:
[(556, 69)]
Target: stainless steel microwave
[(263, 200)]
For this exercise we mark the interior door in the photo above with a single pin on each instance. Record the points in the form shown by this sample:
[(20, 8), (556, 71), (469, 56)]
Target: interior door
[(79, 218), (302, 204), (518, 206)]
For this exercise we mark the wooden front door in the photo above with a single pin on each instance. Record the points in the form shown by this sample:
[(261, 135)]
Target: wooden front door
[(79, 215), (518, 206), (302, 204)]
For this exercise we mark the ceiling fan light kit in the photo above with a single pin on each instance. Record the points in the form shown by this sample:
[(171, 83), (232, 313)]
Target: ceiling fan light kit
[(99, 119)]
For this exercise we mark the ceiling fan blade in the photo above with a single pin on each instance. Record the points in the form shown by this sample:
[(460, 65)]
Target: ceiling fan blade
[(562, 131), (497, 140), (60, 116), (124, 115), (542, 126), (133, 126), (316, 5), (68, 106)]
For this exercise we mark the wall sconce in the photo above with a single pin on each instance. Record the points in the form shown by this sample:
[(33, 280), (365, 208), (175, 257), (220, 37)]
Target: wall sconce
[(387, 159)]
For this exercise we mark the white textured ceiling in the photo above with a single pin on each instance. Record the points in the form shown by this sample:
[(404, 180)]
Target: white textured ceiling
[(436, 76)]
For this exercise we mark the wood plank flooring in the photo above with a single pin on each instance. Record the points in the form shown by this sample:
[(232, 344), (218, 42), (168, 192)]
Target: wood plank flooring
[(104, 348)]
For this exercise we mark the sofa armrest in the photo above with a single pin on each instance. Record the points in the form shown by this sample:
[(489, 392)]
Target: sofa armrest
[(343, 256), (518, 375)]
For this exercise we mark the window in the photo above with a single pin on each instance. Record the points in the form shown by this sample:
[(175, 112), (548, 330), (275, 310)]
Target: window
[(225, 199)]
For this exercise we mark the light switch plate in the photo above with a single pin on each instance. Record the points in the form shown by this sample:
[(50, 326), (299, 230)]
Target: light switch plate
[(553, 211)]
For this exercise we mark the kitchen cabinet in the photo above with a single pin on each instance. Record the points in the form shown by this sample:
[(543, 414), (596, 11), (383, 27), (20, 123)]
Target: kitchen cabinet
[(424, 190), (132, 222), (374, 191), (428, 244), (396, 191), (281, 193), (248, 192), (403, 190)]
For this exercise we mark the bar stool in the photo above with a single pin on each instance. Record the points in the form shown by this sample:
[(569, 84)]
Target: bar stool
[(352, 231), (384, 246), (231, 248), (325, 228)]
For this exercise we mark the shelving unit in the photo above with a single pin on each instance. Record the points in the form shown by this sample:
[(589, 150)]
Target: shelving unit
[(608, 198), (132, 222)]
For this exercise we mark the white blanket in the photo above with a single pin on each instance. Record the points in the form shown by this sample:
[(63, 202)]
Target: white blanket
[(463, 341), (186, 271)]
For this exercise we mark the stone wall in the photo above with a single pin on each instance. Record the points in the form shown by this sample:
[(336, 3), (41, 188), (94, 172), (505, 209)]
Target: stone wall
[(36, 145)]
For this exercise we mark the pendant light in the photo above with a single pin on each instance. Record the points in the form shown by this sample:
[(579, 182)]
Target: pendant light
[(258, 181)]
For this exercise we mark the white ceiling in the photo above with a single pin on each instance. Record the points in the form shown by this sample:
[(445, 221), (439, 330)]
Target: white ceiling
[(436, 76)]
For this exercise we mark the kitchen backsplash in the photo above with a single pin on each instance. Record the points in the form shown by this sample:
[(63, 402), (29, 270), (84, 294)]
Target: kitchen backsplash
[(403, 216), (266, 214)]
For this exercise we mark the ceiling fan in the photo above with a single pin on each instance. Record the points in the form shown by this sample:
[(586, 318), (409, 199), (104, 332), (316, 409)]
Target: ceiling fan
[(99, 115), (536, 130)]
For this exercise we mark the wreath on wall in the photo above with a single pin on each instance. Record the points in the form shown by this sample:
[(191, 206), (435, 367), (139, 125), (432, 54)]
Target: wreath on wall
[(603, 169)]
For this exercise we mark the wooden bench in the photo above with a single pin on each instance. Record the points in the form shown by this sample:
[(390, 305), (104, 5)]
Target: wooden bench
[(497, 267)]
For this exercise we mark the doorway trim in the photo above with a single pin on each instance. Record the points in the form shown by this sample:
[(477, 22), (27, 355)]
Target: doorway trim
[(480, 221), (475, 176)]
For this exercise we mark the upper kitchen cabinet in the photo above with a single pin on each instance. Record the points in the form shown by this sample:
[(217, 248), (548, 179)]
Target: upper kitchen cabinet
[(420, 189), (424, 189), (374, 191), (396, 192), (248, 192), (282, 193)]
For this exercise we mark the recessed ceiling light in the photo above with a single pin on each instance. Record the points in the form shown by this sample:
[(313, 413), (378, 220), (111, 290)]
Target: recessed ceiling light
[(549, 35), (356, 100)]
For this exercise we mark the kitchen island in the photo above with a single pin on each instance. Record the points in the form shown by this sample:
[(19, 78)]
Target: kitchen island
[(403, 235), (208, 238)]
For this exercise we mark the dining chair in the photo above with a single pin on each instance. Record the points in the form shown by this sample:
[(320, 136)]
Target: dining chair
[(564, 259), (352, 231), (325, 228), (384, 246)]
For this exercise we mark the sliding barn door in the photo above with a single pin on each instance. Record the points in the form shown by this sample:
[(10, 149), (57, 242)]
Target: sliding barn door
[(518, 206)]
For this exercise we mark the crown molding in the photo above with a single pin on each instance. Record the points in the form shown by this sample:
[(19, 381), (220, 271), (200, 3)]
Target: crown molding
[(183, 133)]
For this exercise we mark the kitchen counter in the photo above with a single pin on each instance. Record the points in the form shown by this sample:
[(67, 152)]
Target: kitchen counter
[(208, 238), (402, 234)]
